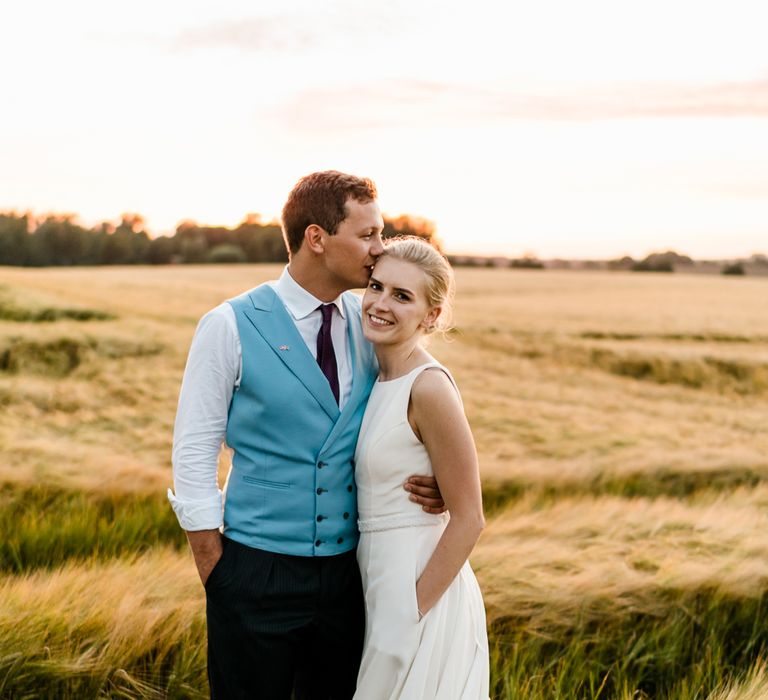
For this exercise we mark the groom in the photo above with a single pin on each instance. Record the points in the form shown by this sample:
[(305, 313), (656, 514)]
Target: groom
[(282, 374)]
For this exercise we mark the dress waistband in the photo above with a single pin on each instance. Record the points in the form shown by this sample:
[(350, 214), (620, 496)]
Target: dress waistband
[(395, 521)]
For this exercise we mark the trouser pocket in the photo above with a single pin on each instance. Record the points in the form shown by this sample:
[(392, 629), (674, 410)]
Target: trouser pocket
[(216, 572)]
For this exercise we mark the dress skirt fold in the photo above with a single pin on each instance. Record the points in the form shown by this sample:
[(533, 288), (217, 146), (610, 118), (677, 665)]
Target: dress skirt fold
[(443, 656)]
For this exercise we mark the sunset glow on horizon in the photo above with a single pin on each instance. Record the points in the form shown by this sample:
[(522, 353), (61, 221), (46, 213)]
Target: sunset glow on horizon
[(581, 130)]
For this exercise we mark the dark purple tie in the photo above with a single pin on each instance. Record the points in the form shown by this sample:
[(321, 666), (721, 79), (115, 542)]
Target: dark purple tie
[(326, 357)]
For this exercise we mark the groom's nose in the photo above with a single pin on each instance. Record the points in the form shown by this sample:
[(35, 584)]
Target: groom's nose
[(377, 246)]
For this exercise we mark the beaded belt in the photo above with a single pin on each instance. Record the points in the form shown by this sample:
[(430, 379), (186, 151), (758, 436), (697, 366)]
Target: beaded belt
[(395, 521)]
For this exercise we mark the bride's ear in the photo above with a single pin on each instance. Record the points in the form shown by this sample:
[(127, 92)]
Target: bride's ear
[(430, 320)]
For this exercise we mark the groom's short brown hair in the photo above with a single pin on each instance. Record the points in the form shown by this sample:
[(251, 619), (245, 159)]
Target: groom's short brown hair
[(321, 198)]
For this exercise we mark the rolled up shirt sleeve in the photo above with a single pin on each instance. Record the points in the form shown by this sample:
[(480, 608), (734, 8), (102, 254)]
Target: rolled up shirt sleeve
[(211, 376)]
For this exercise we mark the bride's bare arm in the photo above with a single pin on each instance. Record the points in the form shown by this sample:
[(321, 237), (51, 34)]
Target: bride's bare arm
[(438, 419)]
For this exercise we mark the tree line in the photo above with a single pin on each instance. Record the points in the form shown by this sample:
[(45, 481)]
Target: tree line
[(59, 240)]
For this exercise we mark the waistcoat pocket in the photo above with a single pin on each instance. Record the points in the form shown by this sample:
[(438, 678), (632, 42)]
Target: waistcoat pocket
[(266, 483)]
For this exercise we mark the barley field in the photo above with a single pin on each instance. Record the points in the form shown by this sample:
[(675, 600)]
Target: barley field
[(622, 426)]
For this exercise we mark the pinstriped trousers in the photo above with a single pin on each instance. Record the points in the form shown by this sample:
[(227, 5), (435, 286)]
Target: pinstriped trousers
[(282, 626)]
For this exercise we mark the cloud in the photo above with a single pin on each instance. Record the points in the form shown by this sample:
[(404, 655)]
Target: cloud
[(324, 26), (736, 99), (415, 103), (257, 34), (736, 189)]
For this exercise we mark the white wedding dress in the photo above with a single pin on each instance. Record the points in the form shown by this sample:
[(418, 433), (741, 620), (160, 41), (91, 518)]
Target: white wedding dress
[(445, 654)]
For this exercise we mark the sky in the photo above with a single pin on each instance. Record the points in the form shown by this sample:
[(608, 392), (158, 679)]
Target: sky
[(583, 129)]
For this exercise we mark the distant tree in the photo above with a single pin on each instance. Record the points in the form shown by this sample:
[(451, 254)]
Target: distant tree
[(406, 225), (662, 262), (624, 263), (58, 241), (529, 262), (645, 266), (261, 242), (140, 244), (226, 253), (161, 250), (96, 242), (128, 244), (733, 269), (14, 239), (215, 235), (192, 244)]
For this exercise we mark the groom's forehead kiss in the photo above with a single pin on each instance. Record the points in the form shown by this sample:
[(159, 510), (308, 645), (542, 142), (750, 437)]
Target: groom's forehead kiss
[(326, 199), (352, 251)]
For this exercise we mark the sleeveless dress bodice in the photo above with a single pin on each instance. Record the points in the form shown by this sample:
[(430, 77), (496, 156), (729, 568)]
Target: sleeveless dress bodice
[(388, 452), (444, 654)]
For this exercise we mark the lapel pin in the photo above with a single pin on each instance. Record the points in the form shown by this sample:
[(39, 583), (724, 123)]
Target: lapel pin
[(284, 347)]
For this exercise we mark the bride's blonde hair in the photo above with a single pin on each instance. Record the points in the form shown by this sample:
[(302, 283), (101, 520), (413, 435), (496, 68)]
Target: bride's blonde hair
[(440, 281)]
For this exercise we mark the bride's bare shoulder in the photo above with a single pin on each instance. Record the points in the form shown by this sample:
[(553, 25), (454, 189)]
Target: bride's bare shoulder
[(433, 387)]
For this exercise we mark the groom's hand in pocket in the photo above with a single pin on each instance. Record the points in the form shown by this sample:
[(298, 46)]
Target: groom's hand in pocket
[(207, 549), (425, 491)]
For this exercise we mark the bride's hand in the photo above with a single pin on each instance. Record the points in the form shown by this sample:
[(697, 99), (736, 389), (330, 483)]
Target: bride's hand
[(419, 604), (425, 491), (422, 606)]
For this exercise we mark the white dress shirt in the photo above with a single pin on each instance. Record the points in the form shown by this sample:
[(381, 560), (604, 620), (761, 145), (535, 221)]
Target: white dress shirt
[(212, 375)]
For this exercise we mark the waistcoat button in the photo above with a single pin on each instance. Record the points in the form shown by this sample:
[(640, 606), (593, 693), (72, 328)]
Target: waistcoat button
[(349, 488), (340, 540), (317, 543), (320, 491), (320, 518), (320, 465), (346, 516)]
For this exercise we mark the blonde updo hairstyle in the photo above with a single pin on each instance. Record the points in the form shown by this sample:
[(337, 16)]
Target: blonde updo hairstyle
[(440, 281)]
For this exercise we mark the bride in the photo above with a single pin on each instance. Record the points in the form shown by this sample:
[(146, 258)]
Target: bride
[(425, 622)]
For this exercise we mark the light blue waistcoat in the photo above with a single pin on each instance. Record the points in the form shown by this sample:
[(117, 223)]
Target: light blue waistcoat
[(292, 485)]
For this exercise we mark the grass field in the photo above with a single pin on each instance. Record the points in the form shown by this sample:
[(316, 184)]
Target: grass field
[(621, 421)]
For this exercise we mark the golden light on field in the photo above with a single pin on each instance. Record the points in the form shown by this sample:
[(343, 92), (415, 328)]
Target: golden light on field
[(588, 129), (620, 423)]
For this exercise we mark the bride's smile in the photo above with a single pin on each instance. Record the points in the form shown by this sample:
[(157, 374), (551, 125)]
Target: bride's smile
[(376, 321), (395, 306)]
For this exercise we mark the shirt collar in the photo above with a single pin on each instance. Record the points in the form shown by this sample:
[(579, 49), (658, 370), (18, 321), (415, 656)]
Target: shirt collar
[(299, 302)]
